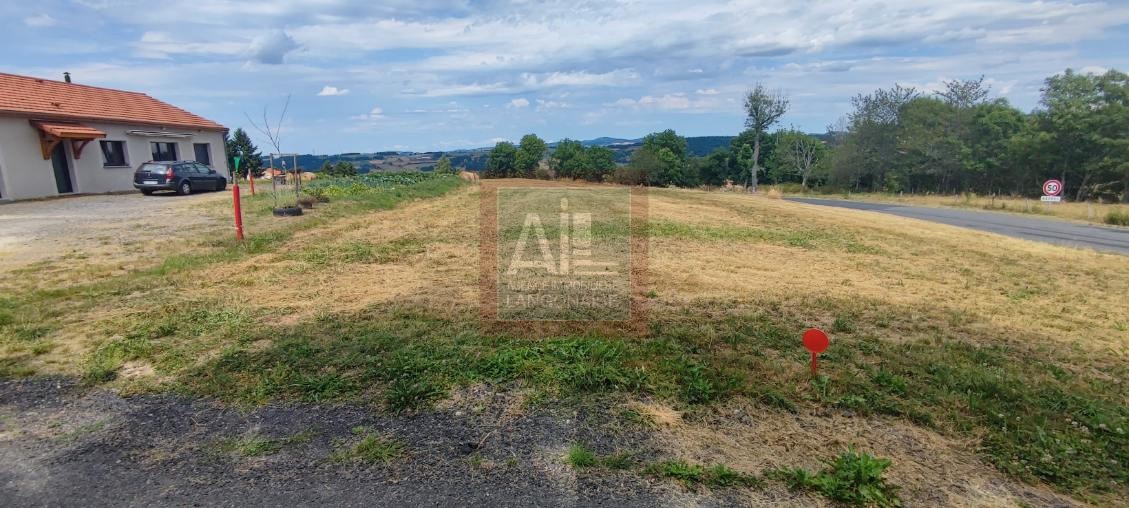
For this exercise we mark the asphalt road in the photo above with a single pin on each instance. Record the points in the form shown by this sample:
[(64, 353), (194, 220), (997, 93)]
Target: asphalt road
[(1101, 238)]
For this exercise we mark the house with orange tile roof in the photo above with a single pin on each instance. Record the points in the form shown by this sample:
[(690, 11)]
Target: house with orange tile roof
[(59, 137)]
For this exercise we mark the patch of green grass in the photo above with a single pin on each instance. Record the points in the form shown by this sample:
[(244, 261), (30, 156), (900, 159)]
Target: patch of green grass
[(693, 475), (84, 430), (14, 367), (398, 249), (255, 446), (406, 394), (690, 475), (171, 340), (843, 324), (580, 456), (103, 364), (372, 449), (619, 461), (357, 251), (807, 238), (702, 384), (852, 478)]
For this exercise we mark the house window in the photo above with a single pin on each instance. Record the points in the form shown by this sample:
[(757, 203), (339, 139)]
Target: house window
[(113, 153), (203, 153), (163, 151)]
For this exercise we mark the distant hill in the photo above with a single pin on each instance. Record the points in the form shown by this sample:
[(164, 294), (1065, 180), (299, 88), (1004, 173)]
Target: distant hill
[(605, 141), (702, 146), (474, 159)]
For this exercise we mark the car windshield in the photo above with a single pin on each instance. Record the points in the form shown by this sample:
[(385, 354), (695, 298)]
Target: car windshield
[(153, 168)]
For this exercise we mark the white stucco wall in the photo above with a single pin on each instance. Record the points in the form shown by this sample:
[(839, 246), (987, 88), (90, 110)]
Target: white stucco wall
[(25, 174)]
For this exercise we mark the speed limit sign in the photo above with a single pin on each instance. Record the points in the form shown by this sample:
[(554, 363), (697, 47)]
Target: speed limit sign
[(1052, 188)]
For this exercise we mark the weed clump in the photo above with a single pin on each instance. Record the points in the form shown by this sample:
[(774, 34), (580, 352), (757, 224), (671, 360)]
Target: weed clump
[(852, 478)]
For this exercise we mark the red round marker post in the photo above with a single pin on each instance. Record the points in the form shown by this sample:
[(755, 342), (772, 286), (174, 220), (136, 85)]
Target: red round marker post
[(817, 342)]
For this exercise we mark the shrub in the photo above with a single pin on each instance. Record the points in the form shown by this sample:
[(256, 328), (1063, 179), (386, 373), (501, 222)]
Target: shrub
[(790, 188), (1117, 217), (628, 175)]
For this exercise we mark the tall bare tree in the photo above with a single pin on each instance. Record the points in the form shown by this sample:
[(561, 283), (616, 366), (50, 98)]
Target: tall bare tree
[(764, 108), (266, 130), (800, 152), (275, 140)]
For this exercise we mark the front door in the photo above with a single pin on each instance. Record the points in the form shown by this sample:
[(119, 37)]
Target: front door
[(62, 169)]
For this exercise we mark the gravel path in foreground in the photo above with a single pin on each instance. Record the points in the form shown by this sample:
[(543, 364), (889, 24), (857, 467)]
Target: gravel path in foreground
[(61, 445)]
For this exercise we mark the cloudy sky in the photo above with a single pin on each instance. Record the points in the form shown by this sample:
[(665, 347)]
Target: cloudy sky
[(420, 75)]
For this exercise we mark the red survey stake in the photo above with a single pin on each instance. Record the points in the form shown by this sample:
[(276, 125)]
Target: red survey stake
[(816, 341)]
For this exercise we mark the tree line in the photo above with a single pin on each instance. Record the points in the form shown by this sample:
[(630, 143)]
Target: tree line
[(961, 140), (899, 139)]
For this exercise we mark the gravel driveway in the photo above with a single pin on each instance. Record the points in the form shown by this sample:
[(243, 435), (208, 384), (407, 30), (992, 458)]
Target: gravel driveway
[(33, 231)]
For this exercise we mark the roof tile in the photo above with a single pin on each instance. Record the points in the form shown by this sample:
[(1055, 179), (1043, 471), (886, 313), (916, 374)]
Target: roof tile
[(35, 97)]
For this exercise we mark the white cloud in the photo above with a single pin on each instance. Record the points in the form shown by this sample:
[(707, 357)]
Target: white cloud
[(376, 113), (331, 91), (164, 45), (625, 66), (519, 102), (679, 102), (668, 101), (40, 20), (543, 105), (272, 47)]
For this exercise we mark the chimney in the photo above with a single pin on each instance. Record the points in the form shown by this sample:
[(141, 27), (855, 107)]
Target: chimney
[(67, 77)]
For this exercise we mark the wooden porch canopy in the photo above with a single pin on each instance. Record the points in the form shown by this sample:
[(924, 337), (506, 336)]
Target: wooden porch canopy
[(52, 133)]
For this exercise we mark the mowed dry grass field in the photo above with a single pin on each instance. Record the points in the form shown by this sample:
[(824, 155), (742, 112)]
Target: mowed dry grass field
[(969, 359)]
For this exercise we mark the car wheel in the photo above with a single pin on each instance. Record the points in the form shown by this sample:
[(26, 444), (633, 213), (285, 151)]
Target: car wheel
[(185, 188), (147, 192)]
